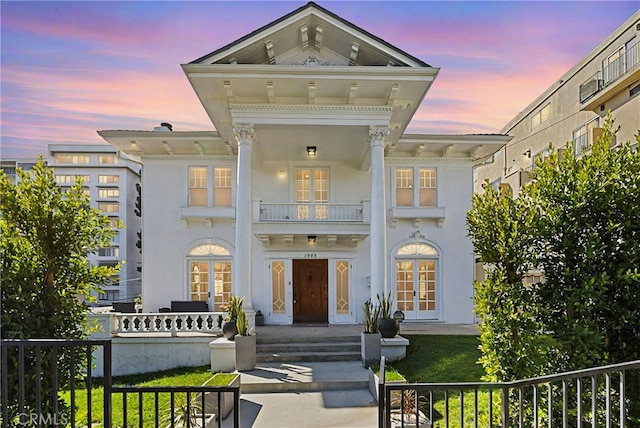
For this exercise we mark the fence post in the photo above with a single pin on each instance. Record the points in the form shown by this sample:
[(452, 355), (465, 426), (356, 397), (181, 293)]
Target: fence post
[(505, 407), (381, 395), (106, 364)]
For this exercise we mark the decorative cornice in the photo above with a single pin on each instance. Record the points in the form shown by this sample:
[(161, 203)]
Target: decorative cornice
[(433, 159), (226, 158), (309, 108)]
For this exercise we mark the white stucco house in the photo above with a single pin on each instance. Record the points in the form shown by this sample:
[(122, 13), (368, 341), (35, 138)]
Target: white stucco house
[(308, 198)]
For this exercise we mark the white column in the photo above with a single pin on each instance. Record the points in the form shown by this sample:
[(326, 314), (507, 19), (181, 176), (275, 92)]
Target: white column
[(378, 232), (242, 265)]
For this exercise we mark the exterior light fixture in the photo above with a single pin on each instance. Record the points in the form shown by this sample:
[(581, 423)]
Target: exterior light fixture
[(311, 239), (311, 150), (527, 153)]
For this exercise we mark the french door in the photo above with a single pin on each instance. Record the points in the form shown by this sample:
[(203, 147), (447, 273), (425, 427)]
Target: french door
[(416, 288)]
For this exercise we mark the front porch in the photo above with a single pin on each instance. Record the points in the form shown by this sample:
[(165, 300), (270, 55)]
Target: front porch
[(148, 342)]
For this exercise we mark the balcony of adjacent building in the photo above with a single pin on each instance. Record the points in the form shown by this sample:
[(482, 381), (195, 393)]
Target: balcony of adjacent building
[(619, 70)]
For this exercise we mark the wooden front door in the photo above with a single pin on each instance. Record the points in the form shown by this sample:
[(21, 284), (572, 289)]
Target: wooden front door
[(310, 291)]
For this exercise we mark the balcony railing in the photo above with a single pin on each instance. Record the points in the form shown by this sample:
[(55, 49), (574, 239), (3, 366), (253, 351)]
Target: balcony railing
[(610, 72), (312, 212), (598, 397)]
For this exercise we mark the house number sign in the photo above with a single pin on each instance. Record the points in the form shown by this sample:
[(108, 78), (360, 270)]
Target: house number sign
[(310, 255)]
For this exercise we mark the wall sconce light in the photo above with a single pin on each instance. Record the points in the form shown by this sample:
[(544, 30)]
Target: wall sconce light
[(311, 239), (527, 153), (311, 150), (281, 173)]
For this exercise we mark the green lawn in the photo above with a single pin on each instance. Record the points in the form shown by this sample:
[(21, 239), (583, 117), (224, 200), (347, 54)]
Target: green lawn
[(429, 359), (441, 359), (177, 377), (447, 359)]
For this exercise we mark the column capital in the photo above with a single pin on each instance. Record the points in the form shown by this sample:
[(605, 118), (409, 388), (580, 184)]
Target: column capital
[(377, 135), (244, 133)]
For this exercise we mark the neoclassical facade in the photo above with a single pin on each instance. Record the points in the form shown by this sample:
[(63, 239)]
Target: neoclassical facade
[(308, 198)]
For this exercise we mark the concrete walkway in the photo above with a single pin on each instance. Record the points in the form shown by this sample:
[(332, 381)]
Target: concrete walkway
[(300, 405)]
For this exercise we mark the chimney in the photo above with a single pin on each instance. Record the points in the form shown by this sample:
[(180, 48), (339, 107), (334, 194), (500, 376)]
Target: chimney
[(164, 127)]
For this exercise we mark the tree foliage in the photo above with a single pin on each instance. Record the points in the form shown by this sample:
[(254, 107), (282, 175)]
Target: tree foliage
[(577, 223), (46, 234)]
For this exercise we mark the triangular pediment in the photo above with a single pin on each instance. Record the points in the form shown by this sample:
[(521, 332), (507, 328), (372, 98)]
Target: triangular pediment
[(311, 35)]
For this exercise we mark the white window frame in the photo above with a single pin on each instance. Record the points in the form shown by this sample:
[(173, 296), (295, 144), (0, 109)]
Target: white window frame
[(541, 116), (416, 184)]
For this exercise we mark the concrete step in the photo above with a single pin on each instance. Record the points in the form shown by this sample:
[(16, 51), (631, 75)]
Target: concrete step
[(308, 347), (306, 356), (306, 339), (305, 377)]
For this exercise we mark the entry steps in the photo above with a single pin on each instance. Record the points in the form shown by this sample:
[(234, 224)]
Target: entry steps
[(312, 348), (307, 377)]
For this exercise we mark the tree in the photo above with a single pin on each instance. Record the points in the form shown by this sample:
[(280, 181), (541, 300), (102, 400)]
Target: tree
[(577, 223), (46, 234)]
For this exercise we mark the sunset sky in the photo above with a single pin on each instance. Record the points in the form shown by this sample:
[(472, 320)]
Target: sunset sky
[(72, 68)]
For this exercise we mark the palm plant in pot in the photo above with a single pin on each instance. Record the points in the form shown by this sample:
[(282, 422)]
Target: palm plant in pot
[(388, 326), (370, 337), (233, 307), (245, 343)]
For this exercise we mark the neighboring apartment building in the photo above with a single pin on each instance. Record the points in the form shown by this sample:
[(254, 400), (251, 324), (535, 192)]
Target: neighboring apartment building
[(574, 108), (9, 166), (309, 198), (110, 181)]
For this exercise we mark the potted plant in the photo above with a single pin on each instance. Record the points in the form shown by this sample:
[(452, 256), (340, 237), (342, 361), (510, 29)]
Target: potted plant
[(233, 307), (370, 337), (245, 343), (388, 326)]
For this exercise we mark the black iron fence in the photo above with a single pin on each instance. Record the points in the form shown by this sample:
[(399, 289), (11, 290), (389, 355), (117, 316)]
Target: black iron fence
[(50, 383), (603, 396)]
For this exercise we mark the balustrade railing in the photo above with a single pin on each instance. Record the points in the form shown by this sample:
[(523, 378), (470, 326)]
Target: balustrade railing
[(603, 396), (167, 322), (315, 212)]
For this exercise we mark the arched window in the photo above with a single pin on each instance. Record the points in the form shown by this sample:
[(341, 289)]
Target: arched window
[(210, 274), (417, 280)]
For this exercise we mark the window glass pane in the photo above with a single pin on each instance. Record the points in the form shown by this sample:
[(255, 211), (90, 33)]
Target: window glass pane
[(404, 187), (109, 193), (303, 185), (278, 287), (109, 207), (404, 281), (108, 179), (221, 284), (199, 278), (197, 186), (427, 187), (222, 187), (107, 159), (342, 287)]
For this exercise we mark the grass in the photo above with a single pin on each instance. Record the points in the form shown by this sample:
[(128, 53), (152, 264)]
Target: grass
[(177, 377), (448, 359), (441, 359)]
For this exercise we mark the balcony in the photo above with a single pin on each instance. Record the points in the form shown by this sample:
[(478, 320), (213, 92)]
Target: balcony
[(611, 80), (313, 212)]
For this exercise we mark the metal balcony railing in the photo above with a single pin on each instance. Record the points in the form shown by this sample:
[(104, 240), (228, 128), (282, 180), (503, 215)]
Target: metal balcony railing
[(603, 396), (610, 72), (312, 212)]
